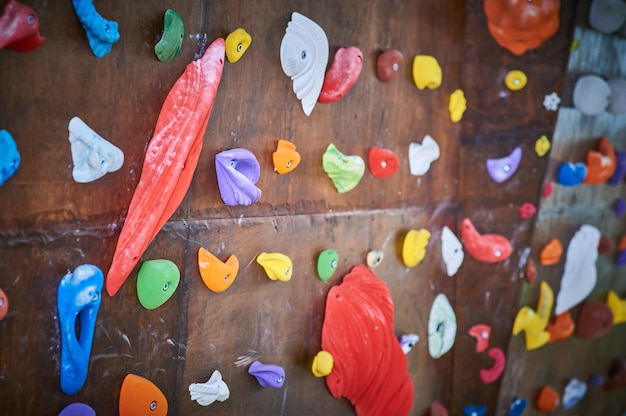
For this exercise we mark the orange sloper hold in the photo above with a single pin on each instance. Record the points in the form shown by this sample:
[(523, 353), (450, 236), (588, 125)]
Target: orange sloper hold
[(217, 275), (548, 400), (551, 253), (140, 397), (521, 25), (601, 163)]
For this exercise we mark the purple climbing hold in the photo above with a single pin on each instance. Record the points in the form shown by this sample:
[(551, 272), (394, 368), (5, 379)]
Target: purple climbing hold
[(620, 207), (77, 409), (571, 174), (268, 375), (596, 380), (502, 169), (621, 259), (620, 168)]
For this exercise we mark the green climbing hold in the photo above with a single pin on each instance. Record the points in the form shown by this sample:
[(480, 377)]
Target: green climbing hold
[(156, 282), (326, 264), (171, 41), (344, 170)]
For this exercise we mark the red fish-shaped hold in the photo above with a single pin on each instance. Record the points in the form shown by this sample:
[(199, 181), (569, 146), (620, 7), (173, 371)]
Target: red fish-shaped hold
[(342, 74), (488, 248), (19, 28)]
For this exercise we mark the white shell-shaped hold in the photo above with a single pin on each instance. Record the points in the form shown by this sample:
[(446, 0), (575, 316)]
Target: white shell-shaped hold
[(422, 155), (451, 251), (607, 16), (618, 95), (580, 274), (214, 389), (93, 156), (592, 95), (303, 57), (441, 327)]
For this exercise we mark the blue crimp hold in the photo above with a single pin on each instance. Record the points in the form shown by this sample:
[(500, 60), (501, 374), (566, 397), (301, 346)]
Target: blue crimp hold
[(101, 33), (517, 407), (571, 174), (9, 156)]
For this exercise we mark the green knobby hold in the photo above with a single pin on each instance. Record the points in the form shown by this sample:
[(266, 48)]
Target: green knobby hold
[(345, 171), (171, 41), (326, 264), (156, 282)]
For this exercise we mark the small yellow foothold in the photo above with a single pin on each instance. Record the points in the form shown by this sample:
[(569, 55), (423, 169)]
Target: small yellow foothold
[(276, 265), (426, 72), (515, 80), (414, 247), (575, 45), (457, 105), (534, 323), (542, 145), (617, 306), (322, 364), (236, 45)]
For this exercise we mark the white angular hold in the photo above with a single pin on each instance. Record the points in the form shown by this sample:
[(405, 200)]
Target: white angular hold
[(422, 155), (408, 341), (93, 156), (580, 274), (303, 57), (214, 389), (451, 251), (441, 327)]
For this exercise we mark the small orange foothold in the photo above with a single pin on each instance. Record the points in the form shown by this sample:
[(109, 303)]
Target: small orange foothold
[(622, 243), (562, 328), (601, 163), (531, 271), (548, 400), (217, 275), (285, 157), (551, 253), (139, 397)]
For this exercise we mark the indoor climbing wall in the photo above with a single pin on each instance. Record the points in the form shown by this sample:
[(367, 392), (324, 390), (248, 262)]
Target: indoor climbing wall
[(246, 213)]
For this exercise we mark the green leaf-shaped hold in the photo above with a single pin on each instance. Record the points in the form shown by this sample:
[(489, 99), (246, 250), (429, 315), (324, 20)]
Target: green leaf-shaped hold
[(345, 171), (327, 263), (156, 283), (172, 39)]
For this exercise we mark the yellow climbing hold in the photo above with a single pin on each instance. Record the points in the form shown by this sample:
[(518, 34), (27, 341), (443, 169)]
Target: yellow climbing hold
[(426, 72), (515, 80), (457, 105), (617, 306), (414, 247), (237, 43), (542, 145), (534, 323), (322, 364)]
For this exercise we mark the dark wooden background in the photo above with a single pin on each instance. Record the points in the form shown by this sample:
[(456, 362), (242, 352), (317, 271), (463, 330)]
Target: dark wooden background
[(49, 224)]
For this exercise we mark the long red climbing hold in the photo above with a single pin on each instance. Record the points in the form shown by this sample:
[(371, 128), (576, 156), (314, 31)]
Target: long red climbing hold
[(170, 161)]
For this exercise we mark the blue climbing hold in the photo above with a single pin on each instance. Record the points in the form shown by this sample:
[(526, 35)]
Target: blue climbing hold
[(518, 406), (620, 207), (101, 33), (9, 156), (78, 297), (571, 174), (474, 410)]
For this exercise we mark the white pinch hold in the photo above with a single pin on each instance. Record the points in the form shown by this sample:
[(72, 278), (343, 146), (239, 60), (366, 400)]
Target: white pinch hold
[(422, 155), (303, 57), (214, 389), (580, 274), (451, 251), (93, 156)]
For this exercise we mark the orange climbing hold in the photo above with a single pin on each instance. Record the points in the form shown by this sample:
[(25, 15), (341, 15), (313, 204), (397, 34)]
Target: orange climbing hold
[(562, 328), (140, 397), (601, 163), (551, 253), (548, 400)]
